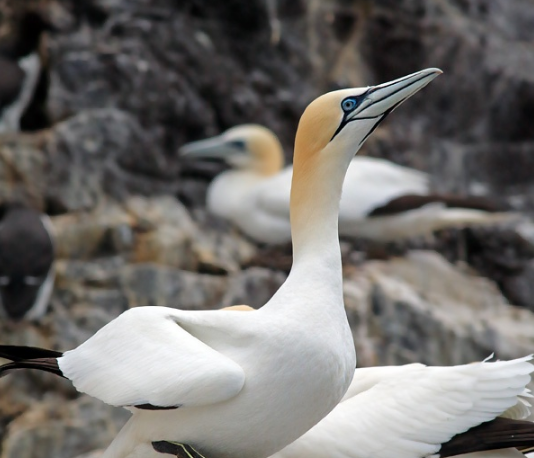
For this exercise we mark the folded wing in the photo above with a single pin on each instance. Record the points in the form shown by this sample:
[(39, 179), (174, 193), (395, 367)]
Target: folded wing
[(145, 358)]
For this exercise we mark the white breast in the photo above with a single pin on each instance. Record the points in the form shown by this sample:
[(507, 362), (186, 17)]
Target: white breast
[(258, 205)]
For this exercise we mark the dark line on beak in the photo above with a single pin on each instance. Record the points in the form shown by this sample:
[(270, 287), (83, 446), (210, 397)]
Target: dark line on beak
[(398, 90), (387, 112), (344, 122)]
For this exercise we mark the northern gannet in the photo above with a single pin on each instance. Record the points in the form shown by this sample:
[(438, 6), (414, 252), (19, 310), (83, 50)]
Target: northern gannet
[(26, 261), (381, 200), (415, 411), (235, 384)]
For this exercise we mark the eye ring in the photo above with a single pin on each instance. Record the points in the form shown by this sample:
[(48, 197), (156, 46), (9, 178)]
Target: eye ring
[(349, 104), (237, 144)]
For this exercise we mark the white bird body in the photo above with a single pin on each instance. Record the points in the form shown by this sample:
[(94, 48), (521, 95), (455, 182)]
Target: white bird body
[(234, 384), (255, 194), (260, 204), (218, 351), (264, 213), (410, 411)]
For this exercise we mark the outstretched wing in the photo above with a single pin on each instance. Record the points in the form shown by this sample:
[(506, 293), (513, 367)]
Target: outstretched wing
[(410, 411), (145, 358)]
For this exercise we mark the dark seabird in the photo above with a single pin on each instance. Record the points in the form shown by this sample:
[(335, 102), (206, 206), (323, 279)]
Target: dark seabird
[(20, 69), (26, 262)]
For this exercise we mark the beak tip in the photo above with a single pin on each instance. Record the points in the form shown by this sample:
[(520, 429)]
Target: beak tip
[(434, 71)]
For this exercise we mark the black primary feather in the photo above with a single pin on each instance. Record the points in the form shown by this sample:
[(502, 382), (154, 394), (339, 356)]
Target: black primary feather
[(414, 201), (29, 358), (493, 435), (20, 353)]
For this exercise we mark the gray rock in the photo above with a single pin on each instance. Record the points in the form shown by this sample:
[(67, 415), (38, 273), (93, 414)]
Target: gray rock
[(421, 308), (150, 284), (62, 429), (499, 169), (93, 454), (23, 169), (218, 246), (104, 152), (483, 108), (157, 62), (158, 230), (252, 287), (106, 230), (522, 285)]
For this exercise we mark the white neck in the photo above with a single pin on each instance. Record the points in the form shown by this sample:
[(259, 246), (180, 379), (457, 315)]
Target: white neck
[(314, 210), (315, 195)]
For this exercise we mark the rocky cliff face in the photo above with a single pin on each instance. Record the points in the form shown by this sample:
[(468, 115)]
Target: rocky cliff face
[(127, 82)]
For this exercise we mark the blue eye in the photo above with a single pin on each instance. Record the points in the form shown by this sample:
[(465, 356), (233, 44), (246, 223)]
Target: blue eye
[(237, 144), (349, 104)]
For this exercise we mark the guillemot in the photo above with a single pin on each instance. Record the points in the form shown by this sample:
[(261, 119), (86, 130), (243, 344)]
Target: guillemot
[(26, 261)]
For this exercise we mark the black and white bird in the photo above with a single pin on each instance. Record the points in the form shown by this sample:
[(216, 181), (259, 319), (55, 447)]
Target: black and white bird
[(26, 261), (381, 201), (242, 384), (20, 69)]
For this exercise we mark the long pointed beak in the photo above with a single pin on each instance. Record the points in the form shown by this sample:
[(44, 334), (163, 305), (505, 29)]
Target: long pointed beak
[(215, 147), (384, 98)]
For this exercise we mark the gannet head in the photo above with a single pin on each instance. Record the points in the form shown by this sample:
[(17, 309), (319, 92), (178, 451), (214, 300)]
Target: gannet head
[(330, 132), (340, 121), (248, 146)]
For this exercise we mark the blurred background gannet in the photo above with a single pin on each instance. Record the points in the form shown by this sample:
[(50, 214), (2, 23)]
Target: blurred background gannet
[(381, 200), (26, 261), (243, 384)]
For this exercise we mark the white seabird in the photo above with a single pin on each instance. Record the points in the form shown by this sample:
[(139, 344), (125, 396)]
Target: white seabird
[(415, 411), (381, 200), (243, 384), (26, 261)]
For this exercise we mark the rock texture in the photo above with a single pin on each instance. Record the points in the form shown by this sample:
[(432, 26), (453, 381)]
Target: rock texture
[(125, 83)]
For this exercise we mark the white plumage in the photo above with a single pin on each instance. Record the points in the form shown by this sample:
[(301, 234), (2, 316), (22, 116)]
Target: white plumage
[(201, 361), (120, 377), (255, 195), (243, 384), (409, 411)]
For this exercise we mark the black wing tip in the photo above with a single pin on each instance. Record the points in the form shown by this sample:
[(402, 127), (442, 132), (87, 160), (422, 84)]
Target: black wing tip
[(29, 358), (41, 364), (176, 449), (154, 407), (21, 353), (493, 435), (409, 202)]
